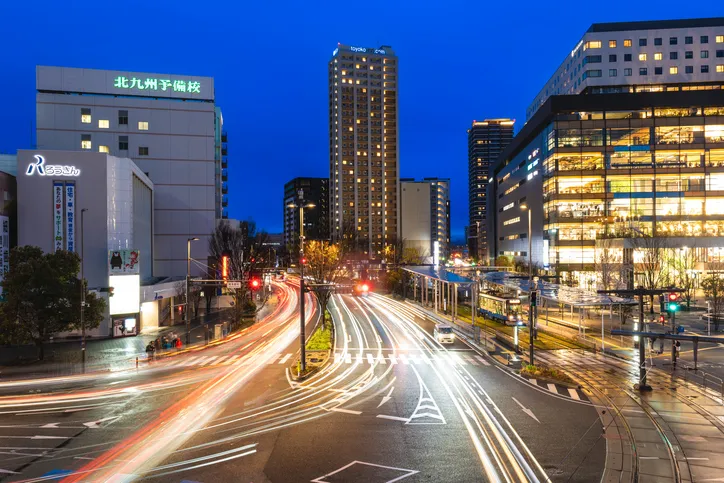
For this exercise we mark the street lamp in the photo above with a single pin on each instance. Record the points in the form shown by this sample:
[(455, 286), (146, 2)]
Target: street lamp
[(188, 277), (301, 205), (525, 207), (82, 287)]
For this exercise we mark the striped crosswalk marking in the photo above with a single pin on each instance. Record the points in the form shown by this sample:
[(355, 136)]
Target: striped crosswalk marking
[(473, 361), (209, 360), (381, 359), (413, 358), (370, 359), (274, 359), (285, 359), (337, 357), (552, 388), (222, 359), (359, 358), (232, 359), (393, 359), (574, 394), (482, 361), (348, 358), (191, 361), (404, 359)]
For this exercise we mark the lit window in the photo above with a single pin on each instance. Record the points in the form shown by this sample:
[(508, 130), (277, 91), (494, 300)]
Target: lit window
[(142, 125), (720, 68), (103, 149), (658, 56), (642, 57), (593, 44), (673, 70), (85, 141), (85, 115), (612, 44), (103, 124), (719, 39), (627, 43)]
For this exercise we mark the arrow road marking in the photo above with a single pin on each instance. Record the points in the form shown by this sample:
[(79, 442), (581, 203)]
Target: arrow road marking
[(526, 410), (386, 398), (8, 472), (51, 426), (95, 424)]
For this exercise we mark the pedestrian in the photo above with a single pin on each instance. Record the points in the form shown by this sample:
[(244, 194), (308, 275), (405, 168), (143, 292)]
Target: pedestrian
[(178, 343), (150, 350), (661, 346), (157, 343)]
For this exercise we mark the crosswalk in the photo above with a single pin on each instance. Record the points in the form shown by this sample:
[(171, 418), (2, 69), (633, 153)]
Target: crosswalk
[(402, 358), (197, 361), (565, 391)]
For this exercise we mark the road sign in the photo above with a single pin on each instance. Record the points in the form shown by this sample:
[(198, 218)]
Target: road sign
[(233, 284)]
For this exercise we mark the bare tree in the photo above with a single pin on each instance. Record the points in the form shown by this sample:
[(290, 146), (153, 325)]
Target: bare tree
[(713, 285), (683, 263), (607, 264), (653, 263)]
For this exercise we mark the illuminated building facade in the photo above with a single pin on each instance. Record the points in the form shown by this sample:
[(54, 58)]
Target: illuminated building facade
[(614, 172), (647, 56), (363, 149), (486, 140), (425, 216)]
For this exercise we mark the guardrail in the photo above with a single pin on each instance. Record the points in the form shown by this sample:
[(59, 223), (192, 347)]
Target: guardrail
[(708, 381)]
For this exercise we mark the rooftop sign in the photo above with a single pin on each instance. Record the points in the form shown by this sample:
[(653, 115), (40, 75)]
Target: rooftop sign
[(43, 169), (155, 84)]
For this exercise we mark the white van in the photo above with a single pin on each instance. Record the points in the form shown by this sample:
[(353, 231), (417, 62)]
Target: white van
[(444, 334)]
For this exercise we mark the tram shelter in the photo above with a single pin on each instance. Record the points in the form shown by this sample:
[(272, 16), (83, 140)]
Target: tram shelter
[(437, 286)]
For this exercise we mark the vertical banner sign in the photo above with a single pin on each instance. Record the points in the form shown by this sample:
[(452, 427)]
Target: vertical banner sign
[(70, 215), (58, 216), (6, 244)]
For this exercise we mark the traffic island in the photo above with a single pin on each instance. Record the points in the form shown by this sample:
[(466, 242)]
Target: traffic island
[(318, 350), (548, 374)]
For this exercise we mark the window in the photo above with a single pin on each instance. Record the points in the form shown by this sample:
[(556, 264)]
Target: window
[(658, 41), (627, 57), (673, 70), (627, 43), (720, 68), (704, 69), (720, 53), (123, 117), (689, 69), (85, 141), (511, 221), (612, 44), (142, 151), (658, 56), (143, 125), (643, 71), (673, 40), (103, 123), (593, 44), (658, 70), (103, 149), (688, 40), (612, 58), (688, 54), (642, 42), (627, 72), (612, 72), (704, 39), (704, 54), (592, 59), (642, 57), (673, 56), (592, 73), (123, 143), (719, 39), (85, 115)]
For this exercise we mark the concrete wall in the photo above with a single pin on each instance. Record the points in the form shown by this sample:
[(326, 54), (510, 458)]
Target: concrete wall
[(416, 216)]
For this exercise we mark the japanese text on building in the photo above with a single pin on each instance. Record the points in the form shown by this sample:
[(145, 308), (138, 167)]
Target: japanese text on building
[(153, 84)]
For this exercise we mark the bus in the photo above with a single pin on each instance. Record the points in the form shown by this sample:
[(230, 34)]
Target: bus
[(497, 306)]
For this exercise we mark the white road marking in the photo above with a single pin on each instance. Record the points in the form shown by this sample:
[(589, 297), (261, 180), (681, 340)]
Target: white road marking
[(533, 381), (222, 359), (337, 357), (370, 359), (359, 358), (348, 358), (381, 360), (407, 473), (648, 457), (404, 359), (190, 361), (472, 361), (386, 398), (233, 359), (95, 424), (394, 418), (8, 472), (525, 409), (285, 359), (552, 388), (393, 359), (346, 411), (697, 459), (274, 359), (211, 359), (482, 361), (574, 394)]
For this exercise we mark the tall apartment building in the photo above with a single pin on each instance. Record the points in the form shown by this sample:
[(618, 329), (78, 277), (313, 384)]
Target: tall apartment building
[(486, 140), (425, 215), (649, 56), (316, 220), (169, 125), (363, 147)]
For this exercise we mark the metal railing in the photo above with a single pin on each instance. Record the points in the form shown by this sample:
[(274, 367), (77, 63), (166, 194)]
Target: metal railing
[(707, 381)]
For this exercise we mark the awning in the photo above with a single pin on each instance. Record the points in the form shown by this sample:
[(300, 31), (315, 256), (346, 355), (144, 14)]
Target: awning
[(438, 274)]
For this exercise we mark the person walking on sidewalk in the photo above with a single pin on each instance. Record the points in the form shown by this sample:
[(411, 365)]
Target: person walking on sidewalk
[(178, 343)]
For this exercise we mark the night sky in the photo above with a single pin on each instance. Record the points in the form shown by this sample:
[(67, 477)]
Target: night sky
[(458, 61)]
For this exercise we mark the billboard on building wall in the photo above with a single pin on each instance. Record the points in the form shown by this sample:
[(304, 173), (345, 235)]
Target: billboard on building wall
[(4, 247), (70, 216), (124, 262), (126, 294), (58, 231)]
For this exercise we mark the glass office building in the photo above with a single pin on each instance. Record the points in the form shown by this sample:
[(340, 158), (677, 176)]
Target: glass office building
[(605, 172)]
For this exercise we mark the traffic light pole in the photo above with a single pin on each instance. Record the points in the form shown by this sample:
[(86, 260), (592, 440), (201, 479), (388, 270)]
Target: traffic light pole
[(642, 349), (673, 342), (302, 350), (531, 323)]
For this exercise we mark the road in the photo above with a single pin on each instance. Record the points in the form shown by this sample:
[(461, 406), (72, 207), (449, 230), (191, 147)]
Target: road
[(391, 405)]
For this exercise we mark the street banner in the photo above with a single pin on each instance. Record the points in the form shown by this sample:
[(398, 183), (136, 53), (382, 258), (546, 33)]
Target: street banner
[(70, 215)]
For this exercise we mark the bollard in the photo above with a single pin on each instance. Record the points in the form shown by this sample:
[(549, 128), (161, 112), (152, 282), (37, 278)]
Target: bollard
[(136, 362)]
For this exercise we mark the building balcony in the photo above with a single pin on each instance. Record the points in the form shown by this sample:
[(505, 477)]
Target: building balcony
[(224, 175), (225, 162), (225, 201), (224, 149), (224, 188), (224, 136)]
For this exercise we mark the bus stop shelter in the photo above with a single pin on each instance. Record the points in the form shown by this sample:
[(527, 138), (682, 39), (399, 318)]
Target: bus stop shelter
[(437, 286)]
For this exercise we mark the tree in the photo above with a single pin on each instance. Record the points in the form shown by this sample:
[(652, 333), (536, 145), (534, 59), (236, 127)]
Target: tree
[(607, 262), (503, 261), (683, 263), (324, 261), (43, 297), (653, 263), (713, 285)]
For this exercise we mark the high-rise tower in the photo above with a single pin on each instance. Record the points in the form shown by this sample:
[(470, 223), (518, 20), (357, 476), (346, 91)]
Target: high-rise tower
[(363, 149)]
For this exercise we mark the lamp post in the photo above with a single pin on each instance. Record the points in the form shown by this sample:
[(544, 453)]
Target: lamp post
[(301, 205), (82, 287), (188, 277), (525, 207)]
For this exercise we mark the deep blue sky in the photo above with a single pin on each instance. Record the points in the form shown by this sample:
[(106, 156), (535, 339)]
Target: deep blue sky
[(459, 61)]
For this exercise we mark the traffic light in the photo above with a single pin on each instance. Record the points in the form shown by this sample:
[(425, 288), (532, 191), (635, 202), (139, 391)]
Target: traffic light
[(255, 283), (109, 290), (662, 319), (673, 304), (303, 260)]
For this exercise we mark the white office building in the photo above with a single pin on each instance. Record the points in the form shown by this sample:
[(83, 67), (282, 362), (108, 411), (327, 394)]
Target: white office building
[(169, 125), (648, 56), (425, 216)]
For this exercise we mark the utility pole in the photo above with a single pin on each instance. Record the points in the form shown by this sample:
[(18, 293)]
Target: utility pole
[(531, 322), (673, 342), (82, 288), (188, 277), (303, 351)]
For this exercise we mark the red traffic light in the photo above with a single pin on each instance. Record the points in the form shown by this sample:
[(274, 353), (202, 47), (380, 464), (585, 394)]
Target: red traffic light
[(255, 283), (662, 319), (673, 297)]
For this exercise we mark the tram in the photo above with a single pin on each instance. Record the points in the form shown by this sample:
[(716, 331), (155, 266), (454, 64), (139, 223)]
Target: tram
[(497, 306)]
